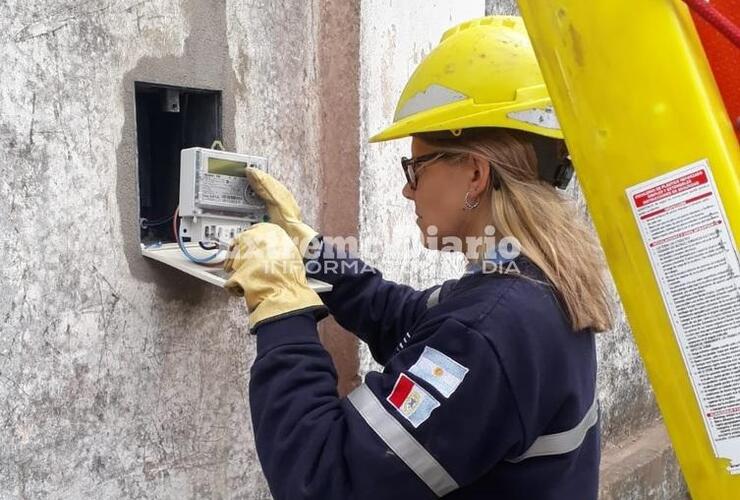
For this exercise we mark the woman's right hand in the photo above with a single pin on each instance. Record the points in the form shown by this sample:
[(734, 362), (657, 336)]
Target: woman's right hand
[(281, 207)]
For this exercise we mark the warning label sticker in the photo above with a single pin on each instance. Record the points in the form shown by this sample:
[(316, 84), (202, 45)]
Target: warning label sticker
[(222, 189), (696, 263)]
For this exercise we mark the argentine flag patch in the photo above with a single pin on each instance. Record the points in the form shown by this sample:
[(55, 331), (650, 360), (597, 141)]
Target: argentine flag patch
[(411, 400), (442, 372)]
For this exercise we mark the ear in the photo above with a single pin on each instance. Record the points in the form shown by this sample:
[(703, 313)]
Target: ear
[(480, 176)]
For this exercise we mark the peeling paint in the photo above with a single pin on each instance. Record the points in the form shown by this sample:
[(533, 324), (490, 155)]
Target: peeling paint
[(122, 378)]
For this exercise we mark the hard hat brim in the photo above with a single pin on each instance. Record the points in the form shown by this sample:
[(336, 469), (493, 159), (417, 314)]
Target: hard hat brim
[(466, 114)]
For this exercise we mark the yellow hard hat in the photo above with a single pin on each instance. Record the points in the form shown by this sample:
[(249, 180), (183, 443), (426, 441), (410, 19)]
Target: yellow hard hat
[(483, 73)]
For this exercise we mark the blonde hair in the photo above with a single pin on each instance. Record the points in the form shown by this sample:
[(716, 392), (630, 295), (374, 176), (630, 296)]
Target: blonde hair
[(551, 231)]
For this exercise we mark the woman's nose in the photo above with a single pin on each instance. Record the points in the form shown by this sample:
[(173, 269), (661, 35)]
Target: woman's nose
[(407, 192)]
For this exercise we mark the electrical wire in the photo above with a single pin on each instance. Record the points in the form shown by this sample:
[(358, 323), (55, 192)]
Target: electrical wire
[(145, 223), (212, 246), (202, 261)]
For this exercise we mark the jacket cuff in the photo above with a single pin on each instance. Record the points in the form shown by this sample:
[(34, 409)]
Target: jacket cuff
[(296, 328), (318, 254)]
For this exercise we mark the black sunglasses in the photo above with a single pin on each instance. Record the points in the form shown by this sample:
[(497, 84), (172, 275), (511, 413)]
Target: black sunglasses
[(412, 165)]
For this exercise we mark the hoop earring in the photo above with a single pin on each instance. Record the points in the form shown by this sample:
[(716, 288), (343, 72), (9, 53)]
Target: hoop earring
[(468, 205)]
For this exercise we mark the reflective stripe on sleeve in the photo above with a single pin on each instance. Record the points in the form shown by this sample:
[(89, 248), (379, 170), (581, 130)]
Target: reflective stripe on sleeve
[(401, 442), (562, 442), (433, 298)]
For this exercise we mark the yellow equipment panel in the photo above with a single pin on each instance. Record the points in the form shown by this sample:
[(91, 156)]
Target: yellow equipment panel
[(642, 115)]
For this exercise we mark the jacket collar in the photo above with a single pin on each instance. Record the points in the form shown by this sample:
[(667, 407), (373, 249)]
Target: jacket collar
[(491, 262)]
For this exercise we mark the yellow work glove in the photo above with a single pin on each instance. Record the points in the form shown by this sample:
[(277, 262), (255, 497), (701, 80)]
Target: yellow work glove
[(268, 271), (281, 207)]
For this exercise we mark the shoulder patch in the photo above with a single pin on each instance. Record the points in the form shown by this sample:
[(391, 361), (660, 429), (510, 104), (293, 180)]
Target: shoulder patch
[(442, 372), (412, 401)]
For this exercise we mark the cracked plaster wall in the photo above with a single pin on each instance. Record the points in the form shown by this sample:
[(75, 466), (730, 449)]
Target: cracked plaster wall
[(120, 378)]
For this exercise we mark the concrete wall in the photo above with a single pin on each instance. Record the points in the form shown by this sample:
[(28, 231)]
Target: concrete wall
[(121, 378)]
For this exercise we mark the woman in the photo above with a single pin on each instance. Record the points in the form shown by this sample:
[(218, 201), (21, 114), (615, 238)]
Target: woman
[(488, 387)]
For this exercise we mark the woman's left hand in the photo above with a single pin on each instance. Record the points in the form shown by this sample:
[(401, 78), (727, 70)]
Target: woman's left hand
[(281, 207)]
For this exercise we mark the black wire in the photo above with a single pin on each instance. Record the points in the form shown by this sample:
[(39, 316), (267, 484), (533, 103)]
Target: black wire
[(145, 223), (207, 247)]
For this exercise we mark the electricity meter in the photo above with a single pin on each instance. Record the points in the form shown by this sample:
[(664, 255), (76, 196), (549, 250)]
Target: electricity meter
[(216, 202)]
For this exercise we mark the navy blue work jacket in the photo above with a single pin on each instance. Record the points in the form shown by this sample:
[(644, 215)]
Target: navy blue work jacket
[(486, 393)]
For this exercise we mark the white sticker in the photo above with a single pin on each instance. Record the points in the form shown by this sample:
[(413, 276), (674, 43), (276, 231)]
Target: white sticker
[(696, 263), (542, 117), (433, 96), (222, 189)]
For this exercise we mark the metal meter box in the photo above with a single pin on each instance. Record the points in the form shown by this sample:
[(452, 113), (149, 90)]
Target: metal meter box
[(192, 200), (216, 204)]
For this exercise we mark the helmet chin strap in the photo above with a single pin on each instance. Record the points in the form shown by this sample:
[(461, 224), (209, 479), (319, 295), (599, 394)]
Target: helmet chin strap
[(553, 164)]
